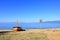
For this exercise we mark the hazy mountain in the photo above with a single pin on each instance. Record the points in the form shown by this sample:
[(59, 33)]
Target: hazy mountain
[(52, 22)]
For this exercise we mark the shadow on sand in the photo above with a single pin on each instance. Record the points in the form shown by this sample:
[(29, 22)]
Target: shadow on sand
[(4, 32)]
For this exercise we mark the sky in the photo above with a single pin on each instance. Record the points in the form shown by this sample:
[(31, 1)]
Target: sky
[(29, 10)]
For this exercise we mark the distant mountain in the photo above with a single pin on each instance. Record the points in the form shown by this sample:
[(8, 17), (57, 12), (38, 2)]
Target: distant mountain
[(30, 22), (52, 22)]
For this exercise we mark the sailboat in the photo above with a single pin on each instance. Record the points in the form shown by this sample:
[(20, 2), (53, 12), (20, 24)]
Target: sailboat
[(17, 28)]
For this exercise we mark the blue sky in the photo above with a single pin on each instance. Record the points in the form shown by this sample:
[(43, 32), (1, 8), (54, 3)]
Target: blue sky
[(29, 10)]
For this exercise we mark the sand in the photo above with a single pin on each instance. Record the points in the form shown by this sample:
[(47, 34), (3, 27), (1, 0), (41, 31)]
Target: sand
[(32, 34)]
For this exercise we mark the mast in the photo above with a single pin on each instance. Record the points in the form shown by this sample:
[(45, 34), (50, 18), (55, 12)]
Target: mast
[(41, 23), (17, 23)]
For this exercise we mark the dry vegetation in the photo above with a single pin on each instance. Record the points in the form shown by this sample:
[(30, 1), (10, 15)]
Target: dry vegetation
[(32, 34)]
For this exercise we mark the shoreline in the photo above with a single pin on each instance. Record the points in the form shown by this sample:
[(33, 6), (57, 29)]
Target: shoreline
[(32, 29)]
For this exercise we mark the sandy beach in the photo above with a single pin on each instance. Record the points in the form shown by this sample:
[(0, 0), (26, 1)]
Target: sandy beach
[(32, 34)]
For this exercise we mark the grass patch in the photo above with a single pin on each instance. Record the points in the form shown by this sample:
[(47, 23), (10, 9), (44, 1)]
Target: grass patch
[(24, 36), (5, 37), (38, 36)]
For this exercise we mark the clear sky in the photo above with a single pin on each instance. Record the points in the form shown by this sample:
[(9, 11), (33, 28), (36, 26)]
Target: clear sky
[(29, 10)]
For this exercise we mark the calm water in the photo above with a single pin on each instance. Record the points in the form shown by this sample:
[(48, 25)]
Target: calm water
[(29, 25)]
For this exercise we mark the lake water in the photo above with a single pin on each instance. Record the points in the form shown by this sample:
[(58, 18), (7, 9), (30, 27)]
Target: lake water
[(29, 25)]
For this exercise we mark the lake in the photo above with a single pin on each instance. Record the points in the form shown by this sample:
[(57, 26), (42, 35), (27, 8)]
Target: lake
[(29, 25)]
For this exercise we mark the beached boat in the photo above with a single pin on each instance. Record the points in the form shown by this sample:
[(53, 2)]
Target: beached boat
[(17, 28)]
